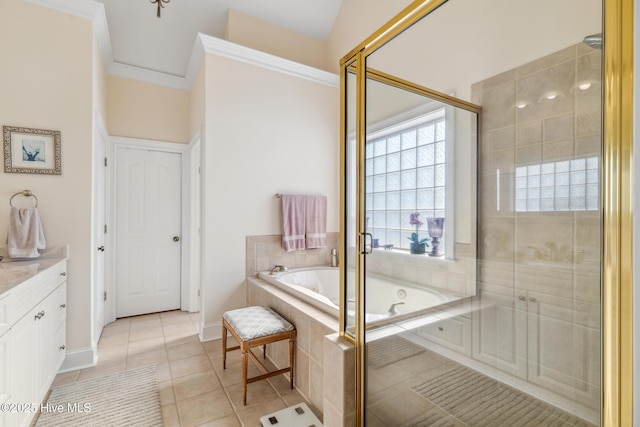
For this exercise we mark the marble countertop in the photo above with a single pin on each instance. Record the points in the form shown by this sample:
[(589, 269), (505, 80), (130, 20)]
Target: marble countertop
[(16, 271)]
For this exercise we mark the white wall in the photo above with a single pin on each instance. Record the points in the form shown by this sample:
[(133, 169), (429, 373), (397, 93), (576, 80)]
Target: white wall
[(46, 83), (470, 41), (266, 132)]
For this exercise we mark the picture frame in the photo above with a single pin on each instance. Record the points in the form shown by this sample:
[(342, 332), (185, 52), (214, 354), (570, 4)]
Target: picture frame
[(35, 151)]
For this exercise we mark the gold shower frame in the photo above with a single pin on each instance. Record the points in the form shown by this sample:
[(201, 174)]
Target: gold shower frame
[(617, 178)]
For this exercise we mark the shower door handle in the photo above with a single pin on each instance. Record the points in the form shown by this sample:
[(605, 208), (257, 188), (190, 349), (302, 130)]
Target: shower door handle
[(363, 243)]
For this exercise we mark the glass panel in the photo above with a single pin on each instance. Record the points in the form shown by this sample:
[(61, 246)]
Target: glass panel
[(418, 167), (514, 304)]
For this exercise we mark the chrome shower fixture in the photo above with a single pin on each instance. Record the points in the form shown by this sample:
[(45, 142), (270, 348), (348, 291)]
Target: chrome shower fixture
[(594, 40)]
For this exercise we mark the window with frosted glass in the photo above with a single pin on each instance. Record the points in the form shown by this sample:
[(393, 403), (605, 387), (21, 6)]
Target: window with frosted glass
[(405, 173), (570, 185)]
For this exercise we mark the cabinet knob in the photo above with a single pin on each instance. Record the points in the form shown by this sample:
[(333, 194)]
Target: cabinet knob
[(532, 299), (64, 273), (62, 347), (440, 328), (39, 316), (101, 248), (63, 305), (522, 298)]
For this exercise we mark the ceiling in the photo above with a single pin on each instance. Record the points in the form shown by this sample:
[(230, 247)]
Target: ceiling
[(140, 39)]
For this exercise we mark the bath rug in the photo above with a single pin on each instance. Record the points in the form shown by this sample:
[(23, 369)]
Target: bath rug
[(389, 350), (480, 401), (434, 417), (128, 398)]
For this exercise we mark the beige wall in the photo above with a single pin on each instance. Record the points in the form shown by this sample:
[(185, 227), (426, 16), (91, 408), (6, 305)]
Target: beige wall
[(357, 20), (46, 83), (266, 132), (260, 35), (143, 110)]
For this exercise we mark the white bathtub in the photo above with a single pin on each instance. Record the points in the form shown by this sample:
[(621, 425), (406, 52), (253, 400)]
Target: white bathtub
[(320, 287)]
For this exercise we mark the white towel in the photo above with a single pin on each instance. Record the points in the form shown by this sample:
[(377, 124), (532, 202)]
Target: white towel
[(316, 221), (25, 235), (293, 222)]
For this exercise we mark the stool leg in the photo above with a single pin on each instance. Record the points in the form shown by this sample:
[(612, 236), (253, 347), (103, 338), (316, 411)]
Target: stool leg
[(264, 351), (292, 345), (224, 347), (244, 376)]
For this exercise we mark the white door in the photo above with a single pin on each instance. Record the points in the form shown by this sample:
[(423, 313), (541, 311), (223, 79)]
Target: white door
[(99, 234), (148, 236)]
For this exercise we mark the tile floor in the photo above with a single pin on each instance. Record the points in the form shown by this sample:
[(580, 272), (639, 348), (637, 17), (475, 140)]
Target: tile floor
[(194, 389), (393, 402)]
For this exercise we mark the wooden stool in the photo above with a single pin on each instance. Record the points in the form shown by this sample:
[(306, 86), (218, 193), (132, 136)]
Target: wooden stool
[(252, 327)]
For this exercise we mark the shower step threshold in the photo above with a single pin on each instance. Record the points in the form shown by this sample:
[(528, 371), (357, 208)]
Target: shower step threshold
[(436, 315)]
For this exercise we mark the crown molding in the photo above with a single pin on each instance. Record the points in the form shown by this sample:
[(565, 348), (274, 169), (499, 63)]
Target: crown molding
[(94, 11), (148, 76), (84, 9), (220, 47)]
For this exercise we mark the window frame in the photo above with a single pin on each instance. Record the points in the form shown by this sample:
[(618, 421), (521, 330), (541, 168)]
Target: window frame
[(414, 118)]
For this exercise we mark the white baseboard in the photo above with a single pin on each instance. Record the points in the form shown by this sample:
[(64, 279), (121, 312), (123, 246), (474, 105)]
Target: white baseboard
[(211, 331), (79, 359)]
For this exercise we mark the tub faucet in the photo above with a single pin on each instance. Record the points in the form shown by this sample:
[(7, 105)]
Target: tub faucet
[(392, 309), (277, 269)]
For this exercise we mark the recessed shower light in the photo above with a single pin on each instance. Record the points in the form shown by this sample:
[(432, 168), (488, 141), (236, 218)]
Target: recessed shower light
[(584, 86), (521, 105), (551, 96)]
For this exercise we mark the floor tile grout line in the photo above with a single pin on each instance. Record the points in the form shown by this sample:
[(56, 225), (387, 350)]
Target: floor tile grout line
[(224, 389)]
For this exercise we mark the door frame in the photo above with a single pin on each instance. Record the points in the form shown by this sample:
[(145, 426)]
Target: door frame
[(186, 287), (101, 136)]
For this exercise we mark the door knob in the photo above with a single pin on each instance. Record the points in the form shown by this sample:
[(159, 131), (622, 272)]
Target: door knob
[(101, 248), (176, 238)]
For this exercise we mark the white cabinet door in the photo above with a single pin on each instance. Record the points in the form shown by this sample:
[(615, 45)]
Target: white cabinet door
[(59, 330), (453, 333), (148, 231), (6, 363), (499, 333), (563, 347), (26, 365), (49, 338)]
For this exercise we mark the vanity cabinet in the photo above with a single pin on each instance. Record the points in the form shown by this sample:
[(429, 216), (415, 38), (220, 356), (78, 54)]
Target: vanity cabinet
[(563, 338), (34, 345), (543, 339), (6, 362), (453, 333), (499, 333), (546, 344)]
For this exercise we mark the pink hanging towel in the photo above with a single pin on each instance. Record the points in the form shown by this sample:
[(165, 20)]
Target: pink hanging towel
[(293, 222), (316, 221)]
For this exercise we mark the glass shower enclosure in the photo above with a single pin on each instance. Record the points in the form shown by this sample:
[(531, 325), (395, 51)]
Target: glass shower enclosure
[(472, 215)]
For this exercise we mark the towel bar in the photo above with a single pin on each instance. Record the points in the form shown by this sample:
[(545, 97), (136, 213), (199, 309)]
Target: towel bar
[(25, 193)]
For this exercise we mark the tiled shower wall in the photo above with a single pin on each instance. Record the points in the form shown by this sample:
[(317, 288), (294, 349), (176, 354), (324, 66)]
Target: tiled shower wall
[(263, 252), (539, 238), (554, 252), (455, 276)]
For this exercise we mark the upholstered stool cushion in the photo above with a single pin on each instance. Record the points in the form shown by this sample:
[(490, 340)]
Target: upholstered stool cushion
[(255, 322)]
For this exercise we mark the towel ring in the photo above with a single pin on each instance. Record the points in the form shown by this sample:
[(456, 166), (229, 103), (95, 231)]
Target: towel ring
[(25, 193)]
